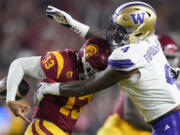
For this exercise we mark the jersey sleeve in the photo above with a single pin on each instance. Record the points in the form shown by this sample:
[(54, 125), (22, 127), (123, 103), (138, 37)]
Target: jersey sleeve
[(120, 60), (52, 64), (126, 58)]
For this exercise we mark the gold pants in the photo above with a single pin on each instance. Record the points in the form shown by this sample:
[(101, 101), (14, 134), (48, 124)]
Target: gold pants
[(114, 125), (42, 127)]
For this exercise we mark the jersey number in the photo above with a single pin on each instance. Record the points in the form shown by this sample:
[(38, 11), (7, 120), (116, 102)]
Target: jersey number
[(169, 75), (68, 108), (49, 62)]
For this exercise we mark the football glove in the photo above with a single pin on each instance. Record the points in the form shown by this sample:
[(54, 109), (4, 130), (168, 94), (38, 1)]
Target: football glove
[(39, 94), (66, 20), (59, 16), (45, 88)]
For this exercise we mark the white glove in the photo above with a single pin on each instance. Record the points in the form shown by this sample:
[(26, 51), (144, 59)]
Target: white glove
[(46, 88), (66, 20), (39, 94), (59, 16)]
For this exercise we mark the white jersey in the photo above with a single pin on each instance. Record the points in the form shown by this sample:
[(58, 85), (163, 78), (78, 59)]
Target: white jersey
[(154, 91)]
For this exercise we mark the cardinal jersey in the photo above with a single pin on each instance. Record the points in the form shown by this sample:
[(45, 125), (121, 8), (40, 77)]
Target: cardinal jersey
[(61, 66), (153, 90)]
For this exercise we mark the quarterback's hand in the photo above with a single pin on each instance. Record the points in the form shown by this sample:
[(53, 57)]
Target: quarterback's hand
[(19, 109), (59, 16)]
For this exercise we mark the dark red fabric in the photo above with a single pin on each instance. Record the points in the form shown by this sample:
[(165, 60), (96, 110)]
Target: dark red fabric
[(49, 108)]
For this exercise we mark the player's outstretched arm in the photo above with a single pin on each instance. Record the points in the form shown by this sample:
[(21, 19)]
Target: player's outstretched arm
[(95, 83), (66, 20), (23, 66)]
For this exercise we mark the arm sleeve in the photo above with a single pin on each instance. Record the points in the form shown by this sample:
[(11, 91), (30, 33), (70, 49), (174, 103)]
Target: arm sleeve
[(23, 66), (121, 60)]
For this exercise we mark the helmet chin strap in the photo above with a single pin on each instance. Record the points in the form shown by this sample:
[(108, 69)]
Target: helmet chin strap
[(88, 70)]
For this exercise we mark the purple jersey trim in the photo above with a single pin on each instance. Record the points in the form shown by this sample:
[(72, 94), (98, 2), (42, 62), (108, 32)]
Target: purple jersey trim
[(120, 64)]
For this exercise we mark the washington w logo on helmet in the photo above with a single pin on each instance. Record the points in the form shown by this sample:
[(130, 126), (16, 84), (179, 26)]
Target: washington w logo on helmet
[(130, 23), (139, 17)]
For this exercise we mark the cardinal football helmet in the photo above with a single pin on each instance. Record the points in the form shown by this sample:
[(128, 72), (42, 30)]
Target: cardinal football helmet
[(131, 22), (94, 55), (170, 50)]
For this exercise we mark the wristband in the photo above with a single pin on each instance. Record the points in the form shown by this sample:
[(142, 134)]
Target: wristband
[(79, 28), (52, 88)]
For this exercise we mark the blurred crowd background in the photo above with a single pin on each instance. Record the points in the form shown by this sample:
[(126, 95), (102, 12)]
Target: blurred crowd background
[(26, 31)]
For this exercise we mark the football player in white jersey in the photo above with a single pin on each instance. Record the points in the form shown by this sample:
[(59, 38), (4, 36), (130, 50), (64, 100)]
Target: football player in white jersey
[(137, 62), (125, 118)]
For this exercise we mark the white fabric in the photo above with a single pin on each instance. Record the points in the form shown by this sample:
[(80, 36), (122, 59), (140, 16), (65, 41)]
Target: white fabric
[(46, 88), (152, 93), (23, 66), (51, 88), (79, 28)]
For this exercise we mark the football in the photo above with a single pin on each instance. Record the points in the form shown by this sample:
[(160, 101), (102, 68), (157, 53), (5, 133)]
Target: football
[(23, 89)]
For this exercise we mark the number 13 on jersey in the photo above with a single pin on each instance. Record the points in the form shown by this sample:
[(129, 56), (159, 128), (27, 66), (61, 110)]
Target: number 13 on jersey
[(48, 62)]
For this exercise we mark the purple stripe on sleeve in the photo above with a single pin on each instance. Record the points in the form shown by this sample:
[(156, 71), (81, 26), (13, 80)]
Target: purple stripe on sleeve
[(44, 129), (120, 64)]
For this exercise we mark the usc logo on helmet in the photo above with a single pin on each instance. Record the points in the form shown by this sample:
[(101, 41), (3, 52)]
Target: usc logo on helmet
[(91, 49)]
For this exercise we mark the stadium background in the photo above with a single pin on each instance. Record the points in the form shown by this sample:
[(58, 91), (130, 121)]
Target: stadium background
[(26, 31)]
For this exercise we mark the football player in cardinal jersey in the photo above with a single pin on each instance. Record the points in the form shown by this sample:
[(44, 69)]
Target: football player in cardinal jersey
[(137, 62), (56, 115)]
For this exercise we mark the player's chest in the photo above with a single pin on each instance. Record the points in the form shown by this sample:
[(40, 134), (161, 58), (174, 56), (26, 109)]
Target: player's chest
[(69, 72)]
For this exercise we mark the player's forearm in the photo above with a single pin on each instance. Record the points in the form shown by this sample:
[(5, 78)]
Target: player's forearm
[(97, 82), (15, 75), (94, 32), (76, 88), (68, 21), (86, 31)]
